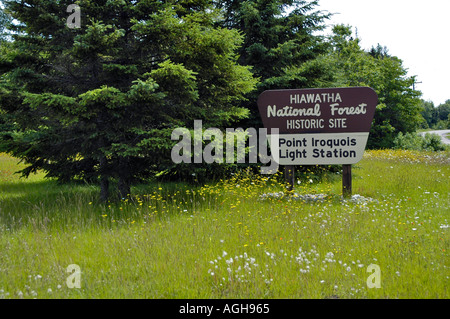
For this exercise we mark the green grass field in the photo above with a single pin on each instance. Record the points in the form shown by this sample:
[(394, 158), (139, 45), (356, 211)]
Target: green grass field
[(232, 239)]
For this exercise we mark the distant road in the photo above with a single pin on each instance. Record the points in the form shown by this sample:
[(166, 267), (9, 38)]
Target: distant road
[(443, 134)]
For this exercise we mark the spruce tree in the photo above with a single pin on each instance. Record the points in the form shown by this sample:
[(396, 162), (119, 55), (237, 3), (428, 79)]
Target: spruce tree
[(280, 43), (4, 22), (100, 102), (399, 104)]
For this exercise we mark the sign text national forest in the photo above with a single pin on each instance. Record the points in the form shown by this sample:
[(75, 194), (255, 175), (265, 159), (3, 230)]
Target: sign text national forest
[(318, 126)]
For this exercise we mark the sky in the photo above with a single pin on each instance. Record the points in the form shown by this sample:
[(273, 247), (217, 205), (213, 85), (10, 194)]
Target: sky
[(416, 31)]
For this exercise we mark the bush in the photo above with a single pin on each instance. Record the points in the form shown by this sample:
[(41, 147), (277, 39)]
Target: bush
[(416, 142), (442, 125), (433, 142)]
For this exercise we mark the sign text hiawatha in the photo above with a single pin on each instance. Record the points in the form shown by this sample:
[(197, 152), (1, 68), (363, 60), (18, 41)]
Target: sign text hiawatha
[(318, 126)]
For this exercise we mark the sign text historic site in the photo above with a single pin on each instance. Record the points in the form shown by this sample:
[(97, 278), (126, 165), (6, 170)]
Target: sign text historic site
[(318, 126)]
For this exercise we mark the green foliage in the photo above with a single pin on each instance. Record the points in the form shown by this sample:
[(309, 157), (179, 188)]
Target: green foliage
[(427, 113), (5, 20), (279, 44), (399, 105), (141, 247), (100, 102), (417, 142), (436, 117)]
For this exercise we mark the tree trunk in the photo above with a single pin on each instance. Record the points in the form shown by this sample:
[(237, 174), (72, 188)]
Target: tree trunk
[(124, 178), (124, 187), (104, 181), (104, 189), (289, 176)]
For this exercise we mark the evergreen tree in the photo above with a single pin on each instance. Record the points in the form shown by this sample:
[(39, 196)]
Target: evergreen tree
[(4, 21), (100, 102), (442, 114), (279, 43), (428, 111), (399, 104), (435, 117)]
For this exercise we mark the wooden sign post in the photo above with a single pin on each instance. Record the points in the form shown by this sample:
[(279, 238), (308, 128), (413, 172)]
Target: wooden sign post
[(347, 181), (289, 176), (318, 127)]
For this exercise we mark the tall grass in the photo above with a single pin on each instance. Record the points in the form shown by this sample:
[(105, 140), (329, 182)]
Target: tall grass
[(238, 238)]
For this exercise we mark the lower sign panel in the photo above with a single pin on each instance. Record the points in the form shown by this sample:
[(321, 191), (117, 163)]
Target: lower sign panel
[(318, 149)]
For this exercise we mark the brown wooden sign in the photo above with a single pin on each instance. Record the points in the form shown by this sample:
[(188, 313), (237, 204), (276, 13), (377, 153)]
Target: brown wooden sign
[(318, 126), (333, 110)]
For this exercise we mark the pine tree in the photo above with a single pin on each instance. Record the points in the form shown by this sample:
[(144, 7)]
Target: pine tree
[(280, 43), (399, 104), (100, 102), (4, 21)]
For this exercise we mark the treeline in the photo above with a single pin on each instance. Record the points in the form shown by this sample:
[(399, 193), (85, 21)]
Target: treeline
[(437, 118), (99, 103)]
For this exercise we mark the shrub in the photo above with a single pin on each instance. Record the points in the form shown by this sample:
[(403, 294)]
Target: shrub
[(414, 141), (442, 125)]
